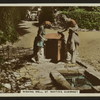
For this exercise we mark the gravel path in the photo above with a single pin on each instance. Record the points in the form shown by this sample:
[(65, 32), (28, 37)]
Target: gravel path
[(89, 42)]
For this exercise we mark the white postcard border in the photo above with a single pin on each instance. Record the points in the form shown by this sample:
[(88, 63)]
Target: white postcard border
[(48, 94)]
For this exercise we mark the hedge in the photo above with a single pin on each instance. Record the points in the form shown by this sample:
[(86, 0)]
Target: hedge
[(85, 19)]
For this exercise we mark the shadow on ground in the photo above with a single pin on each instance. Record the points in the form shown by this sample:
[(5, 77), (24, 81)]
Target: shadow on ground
[(23, 60), (22, 31), (36, 24)]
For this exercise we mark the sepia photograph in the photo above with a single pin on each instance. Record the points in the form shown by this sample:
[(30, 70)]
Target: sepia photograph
[(50, 50)]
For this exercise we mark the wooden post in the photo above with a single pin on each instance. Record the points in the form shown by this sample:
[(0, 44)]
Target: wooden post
[(59, 50)]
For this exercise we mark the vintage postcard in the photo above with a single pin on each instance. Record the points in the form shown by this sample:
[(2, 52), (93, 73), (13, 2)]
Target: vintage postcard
[(49, 50)]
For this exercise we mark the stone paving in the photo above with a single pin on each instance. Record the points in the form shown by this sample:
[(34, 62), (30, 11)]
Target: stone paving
[(40, 73)]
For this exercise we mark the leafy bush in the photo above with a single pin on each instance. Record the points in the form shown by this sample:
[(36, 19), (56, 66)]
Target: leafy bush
[(9, 19), (85, 19), (2, 38)]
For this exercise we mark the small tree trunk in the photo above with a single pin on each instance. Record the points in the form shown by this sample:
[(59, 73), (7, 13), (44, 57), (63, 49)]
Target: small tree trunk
[(8, 51), (3, 51)]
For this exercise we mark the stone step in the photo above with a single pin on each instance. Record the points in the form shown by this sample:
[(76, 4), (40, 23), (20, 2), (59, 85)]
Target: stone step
[(97, 88), (58, 78), (92, 74)]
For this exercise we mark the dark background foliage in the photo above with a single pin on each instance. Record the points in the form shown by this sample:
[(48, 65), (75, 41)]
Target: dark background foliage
[(9, 19), (86, 17)]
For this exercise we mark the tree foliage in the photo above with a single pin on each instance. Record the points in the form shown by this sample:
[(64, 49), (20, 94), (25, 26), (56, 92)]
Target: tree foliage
[(9, 19), (46, 14)]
